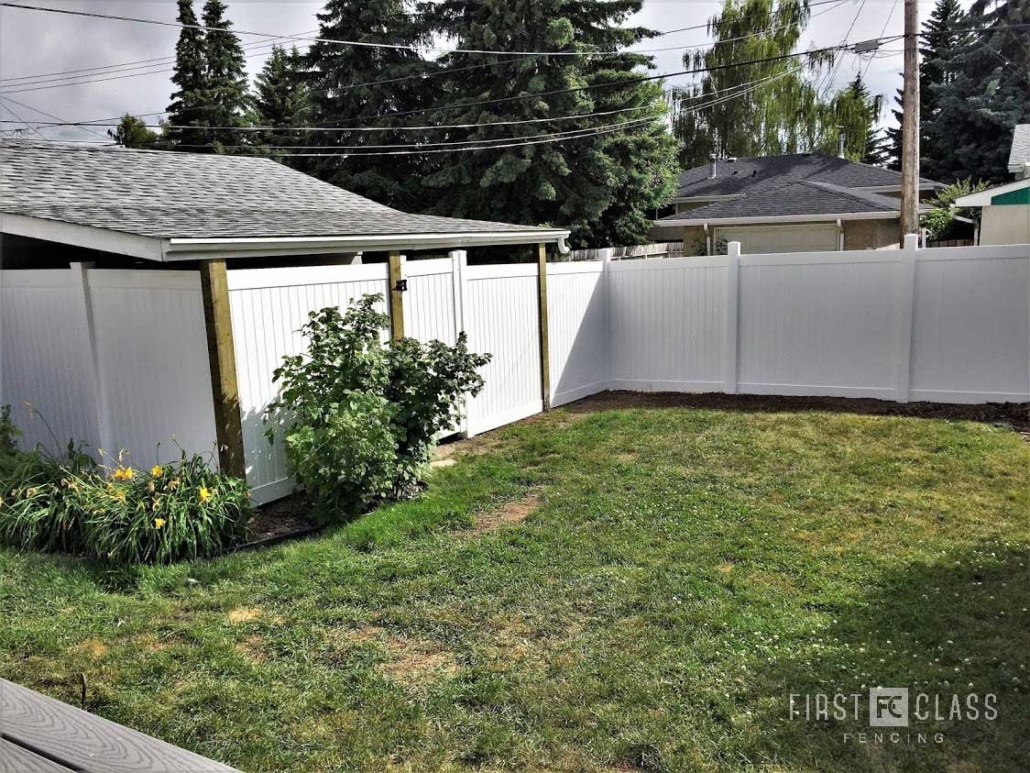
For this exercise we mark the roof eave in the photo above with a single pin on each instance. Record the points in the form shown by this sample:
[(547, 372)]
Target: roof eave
[(101, 239), (816, 218), (200, 249)]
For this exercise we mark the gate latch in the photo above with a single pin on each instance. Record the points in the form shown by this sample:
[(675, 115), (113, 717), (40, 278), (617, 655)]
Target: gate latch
[(401, 286)]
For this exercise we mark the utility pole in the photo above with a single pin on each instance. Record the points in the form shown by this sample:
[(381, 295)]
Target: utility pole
[(910, 125)]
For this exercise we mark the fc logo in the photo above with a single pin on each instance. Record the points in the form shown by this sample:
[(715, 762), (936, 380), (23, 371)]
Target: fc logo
[(888, 707)]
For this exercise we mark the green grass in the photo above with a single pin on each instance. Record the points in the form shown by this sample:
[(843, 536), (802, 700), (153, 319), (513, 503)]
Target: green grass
[(685, 572)]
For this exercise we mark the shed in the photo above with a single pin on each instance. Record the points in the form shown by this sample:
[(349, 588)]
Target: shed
[(115, 265)]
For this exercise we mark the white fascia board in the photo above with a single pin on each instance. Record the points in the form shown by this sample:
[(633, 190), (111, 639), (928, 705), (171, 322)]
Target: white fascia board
[(85, 236), (983, 198), (773, 219), (192, 249), (923, 186)]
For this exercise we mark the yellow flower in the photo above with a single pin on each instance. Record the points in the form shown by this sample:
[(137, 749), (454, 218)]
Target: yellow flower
[(205, 494), (123, 473), (173, 484), (157, 471), (159, 522)]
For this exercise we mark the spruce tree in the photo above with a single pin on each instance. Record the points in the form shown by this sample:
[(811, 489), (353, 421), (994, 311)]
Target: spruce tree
[(186, 109), (281, 99), (944, 35), (226, 97), (766, 108), (987, 97), (606, 181), (877, 149), (362, 86), (854, 112)]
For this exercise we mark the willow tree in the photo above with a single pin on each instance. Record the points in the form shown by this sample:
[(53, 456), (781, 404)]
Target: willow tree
[(751, 100), (575, 140)]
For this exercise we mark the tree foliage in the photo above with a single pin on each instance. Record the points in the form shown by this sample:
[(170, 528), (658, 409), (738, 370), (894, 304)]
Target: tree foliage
[(605, 179), (985, 95), (226, 96), (758, 109), (940, 221), (132, 132), (944, 35), (365, 86), (186, 110), (854, 113), (282, 99)]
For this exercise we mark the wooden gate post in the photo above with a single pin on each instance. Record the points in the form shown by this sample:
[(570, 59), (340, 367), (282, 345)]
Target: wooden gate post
[(398, 284), (221, 352), (545, 349)]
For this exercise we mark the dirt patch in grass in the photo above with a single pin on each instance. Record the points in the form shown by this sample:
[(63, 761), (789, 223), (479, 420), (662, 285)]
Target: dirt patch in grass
[(253, 649), (93, 648), (243, 615), (414, 661), (1015, 415), (506, 515)]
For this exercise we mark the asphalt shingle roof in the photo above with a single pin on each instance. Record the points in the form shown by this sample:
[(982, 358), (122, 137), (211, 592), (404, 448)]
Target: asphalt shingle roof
[(746, 174), (794, 198), (1020, 153), (167, 195)]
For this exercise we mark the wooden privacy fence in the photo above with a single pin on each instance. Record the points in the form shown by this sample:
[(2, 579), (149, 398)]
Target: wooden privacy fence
[(119, 359)]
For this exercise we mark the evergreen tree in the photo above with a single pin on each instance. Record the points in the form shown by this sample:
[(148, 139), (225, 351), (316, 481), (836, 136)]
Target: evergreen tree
[(605, 182), (767, 108), (226, 98), (282, 98), (877, 149), (987, 97), (944, 35), (131, 132), (364, 86), (186, 109)]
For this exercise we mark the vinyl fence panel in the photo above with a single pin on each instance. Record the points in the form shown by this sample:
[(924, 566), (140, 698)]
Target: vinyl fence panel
[(668, 324), (971, 325), (501, 318), (577, 311), (269, 307)]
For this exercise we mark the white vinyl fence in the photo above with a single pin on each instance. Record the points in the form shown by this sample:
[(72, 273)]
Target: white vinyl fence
[(111, 358), (118, 358)]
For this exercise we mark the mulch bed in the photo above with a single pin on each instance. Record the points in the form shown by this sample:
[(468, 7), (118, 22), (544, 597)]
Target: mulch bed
[(1015, 415), (281, 520)]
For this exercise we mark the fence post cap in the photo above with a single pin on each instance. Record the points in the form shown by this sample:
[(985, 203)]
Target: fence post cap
[(733, 248)]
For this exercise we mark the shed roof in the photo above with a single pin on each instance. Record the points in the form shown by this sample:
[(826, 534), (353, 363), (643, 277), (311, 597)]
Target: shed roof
[(195, 202)]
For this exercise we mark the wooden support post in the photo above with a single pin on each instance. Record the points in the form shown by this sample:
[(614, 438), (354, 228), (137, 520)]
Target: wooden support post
[(397, 288), (545, 349), (221, 352)]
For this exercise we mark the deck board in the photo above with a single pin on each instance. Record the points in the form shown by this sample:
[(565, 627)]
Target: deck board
[(14, 759), (82, 741)]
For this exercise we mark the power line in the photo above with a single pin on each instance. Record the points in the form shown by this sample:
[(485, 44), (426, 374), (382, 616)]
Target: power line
[(43, 112)]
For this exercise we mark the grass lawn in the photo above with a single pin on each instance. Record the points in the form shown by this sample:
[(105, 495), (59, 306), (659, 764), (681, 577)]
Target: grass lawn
[(680, 572)]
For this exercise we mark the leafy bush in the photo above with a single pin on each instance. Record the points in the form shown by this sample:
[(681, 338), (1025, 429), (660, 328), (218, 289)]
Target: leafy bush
[(359, 415), (9, 433), (170, 513)]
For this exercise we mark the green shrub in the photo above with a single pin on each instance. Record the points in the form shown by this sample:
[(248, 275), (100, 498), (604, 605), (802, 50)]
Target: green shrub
[(173, 512), (359, 414), (348, 461), (9, 433)]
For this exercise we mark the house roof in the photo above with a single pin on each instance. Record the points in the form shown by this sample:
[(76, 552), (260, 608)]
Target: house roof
[(742, 175), (985, 197), (201, 202), (795, 200), (1019, 156)]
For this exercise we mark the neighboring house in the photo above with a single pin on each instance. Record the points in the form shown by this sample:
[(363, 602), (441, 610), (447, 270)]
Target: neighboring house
[(1006, 208), (800, 202)]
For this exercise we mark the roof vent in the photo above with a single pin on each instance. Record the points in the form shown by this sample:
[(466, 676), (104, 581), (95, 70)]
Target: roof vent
[(713, 171)]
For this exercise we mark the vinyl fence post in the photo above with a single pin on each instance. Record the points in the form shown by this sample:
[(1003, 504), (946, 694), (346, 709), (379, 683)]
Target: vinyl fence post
[(80, 282), (459, 261), (606, 288), (398, 284), (221, 352), (545, 349), (905, 315), (732, 316)]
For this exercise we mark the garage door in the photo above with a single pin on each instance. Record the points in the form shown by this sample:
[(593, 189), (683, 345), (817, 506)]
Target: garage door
[(754, 239)]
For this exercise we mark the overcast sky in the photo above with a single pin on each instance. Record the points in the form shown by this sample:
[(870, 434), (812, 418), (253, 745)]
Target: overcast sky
[(34, 43)]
